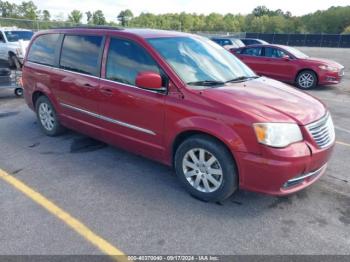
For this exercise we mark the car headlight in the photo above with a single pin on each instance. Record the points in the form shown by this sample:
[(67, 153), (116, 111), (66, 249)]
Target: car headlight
[(328, 68), (277, 134)]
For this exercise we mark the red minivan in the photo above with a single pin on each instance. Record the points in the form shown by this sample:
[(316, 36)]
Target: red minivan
[(182, 100)]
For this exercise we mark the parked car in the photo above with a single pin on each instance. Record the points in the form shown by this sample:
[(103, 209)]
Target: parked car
[(13, 44), (290, 65), (228, 43), (253, 41), (182, 100)]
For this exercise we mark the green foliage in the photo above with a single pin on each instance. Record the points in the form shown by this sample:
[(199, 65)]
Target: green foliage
[(45, 16), (89, 17), (98, 18), (125, 16), (261, 20), (333, 20), (8, 9), (28, 10), (347, 30), (75, 17)]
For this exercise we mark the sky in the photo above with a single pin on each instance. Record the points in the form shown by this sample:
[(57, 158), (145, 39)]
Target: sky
[(111, 8)]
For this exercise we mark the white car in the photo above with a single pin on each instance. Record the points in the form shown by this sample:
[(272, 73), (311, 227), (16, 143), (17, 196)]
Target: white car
[(13, 44)]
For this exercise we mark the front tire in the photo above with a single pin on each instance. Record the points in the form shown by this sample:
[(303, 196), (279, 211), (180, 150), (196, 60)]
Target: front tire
[(206, 168), (19, 92), (306, 79), (47, 117)]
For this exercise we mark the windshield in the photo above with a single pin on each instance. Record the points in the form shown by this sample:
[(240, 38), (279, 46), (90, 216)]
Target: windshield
[(295, 52), (14, 36), (196, 60)]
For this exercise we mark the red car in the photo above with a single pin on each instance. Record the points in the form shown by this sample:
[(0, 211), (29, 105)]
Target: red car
[(290, 65), (182, 100)]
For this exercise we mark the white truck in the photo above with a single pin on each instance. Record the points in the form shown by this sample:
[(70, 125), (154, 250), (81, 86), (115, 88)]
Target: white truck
[(13, 45)]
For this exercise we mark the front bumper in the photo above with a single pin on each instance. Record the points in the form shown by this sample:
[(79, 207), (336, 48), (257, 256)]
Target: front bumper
[(330, 78), (274, 171)]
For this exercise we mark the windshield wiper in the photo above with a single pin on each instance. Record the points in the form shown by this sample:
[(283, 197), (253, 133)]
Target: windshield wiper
[(241, 78), (206, 83)]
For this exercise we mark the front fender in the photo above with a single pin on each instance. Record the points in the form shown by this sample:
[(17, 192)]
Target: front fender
[(212, 127)]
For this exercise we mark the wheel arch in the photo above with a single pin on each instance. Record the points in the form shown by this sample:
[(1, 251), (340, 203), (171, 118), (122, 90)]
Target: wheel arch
[(11, 53), (36, 95), (41, 89), (183, 136)]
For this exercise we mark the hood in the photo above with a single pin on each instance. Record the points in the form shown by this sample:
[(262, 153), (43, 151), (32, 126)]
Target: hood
[(18, 43), (269, 99), (23, 45), (323, 61)]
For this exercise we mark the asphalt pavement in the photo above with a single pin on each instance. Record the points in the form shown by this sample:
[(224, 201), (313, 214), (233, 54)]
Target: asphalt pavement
[(138, 205)]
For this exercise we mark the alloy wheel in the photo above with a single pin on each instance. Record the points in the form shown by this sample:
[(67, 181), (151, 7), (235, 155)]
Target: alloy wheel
[(306, 80), (202, 170), (46, 116)]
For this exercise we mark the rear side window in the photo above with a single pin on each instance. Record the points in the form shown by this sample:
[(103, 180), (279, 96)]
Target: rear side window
[(252, 51), (43, 49), (82, 54), (126, 59)]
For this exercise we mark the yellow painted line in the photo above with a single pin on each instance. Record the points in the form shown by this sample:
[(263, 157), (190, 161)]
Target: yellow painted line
[(342, 143), (72, 222)]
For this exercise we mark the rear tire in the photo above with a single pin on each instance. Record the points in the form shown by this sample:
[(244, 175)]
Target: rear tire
[(47, 117), (206, 168), (306, 79)]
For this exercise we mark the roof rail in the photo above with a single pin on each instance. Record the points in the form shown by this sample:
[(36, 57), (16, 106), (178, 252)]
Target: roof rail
[(90, 27)]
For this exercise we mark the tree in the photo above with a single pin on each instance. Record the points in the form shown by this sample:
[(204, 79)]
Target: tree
[(8, 10), (347, 30), (89, 17), (125, 16), (29, 10), (98, 18), (261, 11), (75, 17), (46, 16), (334, 20)]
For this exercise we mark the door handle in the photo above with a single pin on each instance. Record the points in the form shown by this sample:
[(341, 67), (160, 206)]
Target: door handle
[(87, 85), (106, 91)]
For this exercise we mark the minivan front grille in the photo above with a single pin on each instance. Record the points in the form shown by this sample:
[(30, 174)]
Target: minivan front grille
[(322, 131)]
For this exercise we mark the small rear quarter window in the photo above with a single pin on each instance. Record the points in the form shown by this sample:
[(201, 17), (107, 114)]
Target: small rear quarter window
[(43, 49)]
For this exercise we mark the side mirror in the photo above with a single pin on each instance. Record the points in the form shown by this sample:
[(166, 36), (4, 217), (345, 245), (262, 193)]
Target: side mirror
[(149, 80)]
